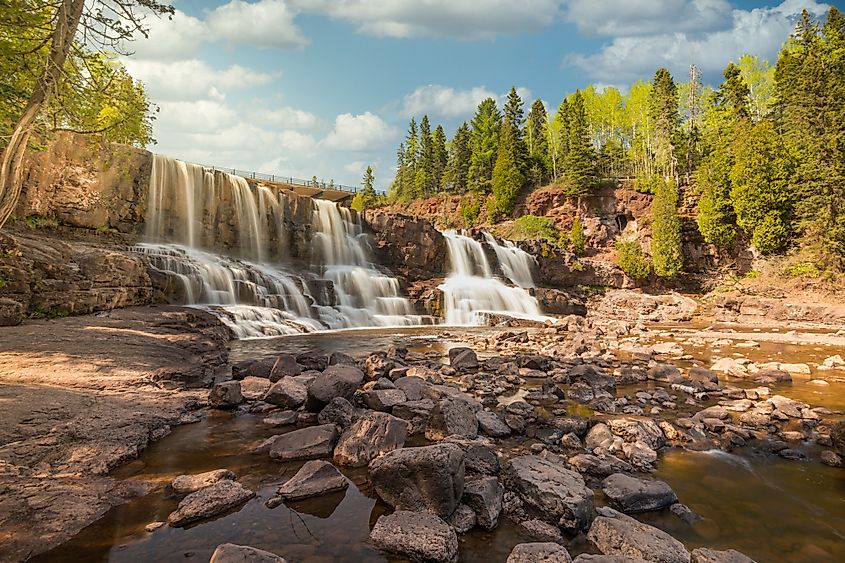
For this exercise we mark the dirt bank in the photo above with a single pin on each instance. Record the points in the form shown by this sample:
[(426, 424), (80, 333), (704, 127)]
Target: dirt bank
[(80, 395)]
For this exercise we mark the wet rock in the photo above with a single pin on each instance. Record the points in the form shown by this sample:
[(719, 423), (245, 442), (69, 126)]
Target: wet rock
[(378, 365), (730, 366), (254, 388), (463, 519), (801, 369), (666, 373), (284, 365), (541, 531), (208, 502), (419, 536), (614, 533), (306, 443), (383, 399), (416, 389), (557, 495), (312, 361), (490, 424), (791, 454), (702, 375), (232, 553), (685, 513), (253, 368), (599, 466), (789, 407), (484, 496), (706, 555), (773, 376), (373, 434), (335, 381), (284, 418), (462, 358), (639, 454), (416, 413), (339, 411), (599, 436), (316, 477), (515, 422), (287, 393), (184, 484), (837, 436), (425, 478), (631, 494), (341, 358), (545, 552), (226, 395), (638, 430), (451, 416)]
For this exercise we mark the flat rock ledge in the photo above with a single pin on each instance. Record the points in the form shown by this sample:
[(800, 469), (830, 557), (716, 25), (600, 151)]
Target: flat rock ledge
[(315, 478), (184, 484)]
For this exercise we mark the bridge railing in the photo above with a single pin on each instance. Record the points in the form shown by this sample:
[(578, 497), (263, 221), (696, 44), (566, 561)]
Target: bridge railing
[(277, 178)]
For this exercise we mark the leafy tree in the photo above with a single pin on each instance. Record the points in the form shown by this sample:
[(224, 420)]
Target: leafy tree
[(412, 151), (579, 164), (537, 141), (440, 157), (368, 189), (470, 208), (457, 166), (577, 237), (640, 125), (632, 260), (424, 179), (666, 255), (507, 179), (664, 115), (759, 75), (484, 145)]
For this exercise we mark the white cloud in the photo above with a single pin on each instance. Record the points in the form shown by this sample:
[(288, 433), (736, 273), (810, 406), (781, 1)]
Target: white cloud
[(436, 100), (761, 31), (463, 19), (355, 167), (359, 132), (168, 39), (192, 78), (642, 17), (288, 117), (267, 23)]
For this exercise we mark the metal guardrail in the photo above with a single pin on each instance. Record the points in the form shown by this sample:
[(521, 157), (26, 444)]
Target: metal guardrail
[(276, 178)]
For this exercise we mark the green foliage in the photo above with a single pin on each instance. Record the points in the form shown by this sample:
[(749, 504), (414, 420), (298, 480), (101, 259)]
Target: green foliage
[(666, 255), (424, 184), (716, 215), (532, 227), (40, 222), (56, 312), (507, 179), (470, 208), (632, 260), (646, 183), (367, 197), (537, 141), (664, 114), (803, 270), (577, 237), (579, 164), (484, 145), (440, 157)]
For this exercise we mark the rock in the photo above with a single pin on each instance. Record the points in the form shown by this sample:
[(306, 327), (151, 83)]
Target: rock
[(557, 495), (685, 513), (592, 558), (599, 436), (425, 478), (335, 381), (419, 536), (490, 424), (210, 501), (801, 369), (668, 349), (640, 454), (787, 406), (665, 372), (253, 368), (341, 358), (773, 375), (226, 395), (306, 443), (378, 365), (702, 375), (373, 434), (184, 484), (837, 436), (451, 416), (383, 399), (312, 361), (638, 430), (316, 477), (463, 359), (541, 531), (339, 411), (484, 496), (232, 553), (537, 552), (284, 418), (284, 366), (287, 393), (416, 389), (408, 244), (599, 466), (463, 519), (416, 413), (705, 555), (831, 458), (614, 533), (729, 366), (631, 494), (11, 312), (479, 458), (254, 388)]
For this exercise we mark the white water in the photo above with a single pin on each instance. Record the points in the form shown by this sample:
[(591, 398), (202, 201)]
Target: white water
[(516, 263), (470, 292), (194, 214)]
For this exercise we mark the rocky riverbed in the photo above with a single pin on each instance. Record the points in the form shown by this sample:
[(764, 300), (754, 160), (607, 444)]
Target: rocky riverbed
[(573, 440)]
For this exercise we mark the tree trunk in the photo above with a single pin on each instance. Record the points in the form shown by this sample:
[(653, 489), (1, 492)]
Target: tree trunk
[(67, 22)]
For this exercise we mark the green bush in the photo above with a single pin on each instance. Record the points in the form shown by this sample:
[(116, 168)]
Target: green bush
[(532, 227), (646, 183), (803, 270), (470, 208), (577, 237), (771, 234), (41, 222), (632, 259)]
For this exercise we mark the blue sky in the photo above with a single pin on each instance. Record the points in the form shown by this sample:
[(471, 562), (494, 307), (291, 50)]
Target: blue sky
[(326, 87)]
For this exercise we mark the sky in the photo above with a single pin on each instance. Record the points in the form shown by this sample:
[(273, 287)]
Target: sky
[(326, 87)]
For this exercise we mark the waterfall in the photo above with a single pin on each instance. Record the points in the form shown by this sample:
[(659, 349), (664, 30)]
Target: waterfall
[(470, 292), (516, 263), (223, 244)]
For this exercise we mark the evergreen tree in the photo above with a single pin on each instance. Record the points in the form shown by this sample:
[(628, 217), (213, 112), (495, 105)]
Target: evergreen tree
[(666, 254), (579, 163), (398, 190), (424, 180), (440, 157), (716, 215), (507, 179), (457, 167), (484, 145), (409, 177), (537, 142), (561, 149), (734, 93), (515, 115), (368, 190), (664, 115), (577, 237)]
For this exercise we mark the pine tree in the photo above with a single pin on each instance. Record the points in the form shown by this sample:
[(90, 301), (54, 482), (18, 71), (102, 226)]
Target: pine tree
[(507, 179), (537, 141), (664, 115), (734, 93), (424, 179), (484, 145), (515, 114), (577, 237), (457, 167), (440, 157), (368, 191), (409, 177), (560, 150), (579, 163), (398, 190), (716, 215), (666, 254)]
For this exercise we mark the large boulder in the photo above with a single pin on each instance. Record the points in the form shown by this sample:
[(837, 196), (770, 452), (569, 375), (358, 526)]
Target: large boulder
[(539, 552), (316, 477), (706, 555), (373, 434), (633, 429), (451, 416), (490, 424), (232, 553), (425, 478), (209, 501), (632, 494), (306, 443), (339, 411), (184, 484), (557, 495), (598, 466), (484, 496), (225, 395), (614, 533), (339, 380), (287, 393), (462, 358), (284, 366), (419, 536)]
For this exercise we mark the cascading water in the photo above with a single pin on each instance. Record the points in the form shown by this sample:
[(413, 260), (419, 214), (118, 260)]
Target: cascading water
[(516, 263), (471, 293), (194, 213)]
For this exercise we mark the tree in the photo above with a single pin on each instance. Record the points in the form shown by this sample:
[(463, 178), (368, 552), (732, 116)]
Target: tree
[(515, 115), (664, 115), (440, 157), (577, 237), (716, 215), (484, 145), (759, 75), (424, 179), (507, 179), (559, 139), (457, 166), (398, 190), (367, 197), (666, 255), (579, 163), (537, 142), (734, 93), (410, 160), (107, 24)]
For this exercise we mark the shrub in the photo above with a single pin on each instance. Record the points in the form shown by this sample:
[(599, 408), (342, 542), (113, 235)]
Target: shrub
[(532, 227), (646, 183), (577, 237), (632, 259), (470, 208)]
